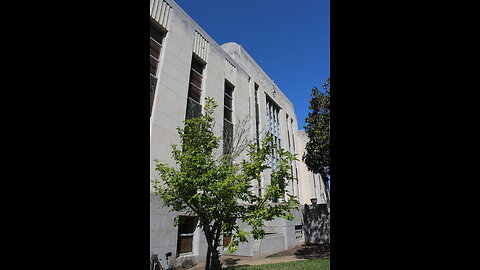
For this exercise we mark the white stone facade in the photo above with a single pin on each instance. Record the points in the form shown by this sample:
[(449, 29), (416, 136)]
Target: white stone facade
[(183, 39)]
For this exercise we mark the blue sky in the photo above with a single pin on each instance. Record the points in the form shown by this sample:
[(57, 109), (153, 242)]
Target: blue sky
[(290, 40)]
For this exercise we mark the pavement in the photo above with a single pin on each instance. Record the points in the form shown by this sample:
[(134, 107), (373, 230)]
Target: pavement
[(297, 253), (230, 260)]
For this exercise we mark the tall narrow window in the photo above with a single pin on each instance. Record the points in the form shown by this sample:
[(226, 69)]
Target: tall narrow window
[(257, 116), (290, 150), (288, 133), (194, 109), (273, 111), (227, 118), (257, 123), (293, 137), (296, 179), (156, 38), (186, 229), (294, 152)]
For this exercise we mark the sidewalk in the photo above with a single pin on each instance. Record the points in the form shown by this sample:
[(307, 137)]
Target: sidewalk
[(230, 260), (297, 253)]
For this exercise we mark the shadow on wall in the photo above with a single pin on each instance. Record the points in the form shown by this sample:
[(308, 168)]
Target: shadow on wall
[(316, 224)]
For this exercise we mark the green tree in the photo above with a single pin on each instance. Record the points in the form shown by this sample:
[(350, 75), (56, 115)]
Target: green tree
[(317, 149), (218, 190)]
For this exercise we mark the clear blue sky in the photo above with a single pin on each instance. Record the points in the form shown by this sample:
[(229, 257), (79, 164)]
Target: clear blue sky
[(290, 40)]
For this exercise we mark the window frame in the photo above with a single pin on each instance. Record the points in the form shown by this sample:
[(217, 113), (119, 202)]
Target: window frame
[(228, 92), (196, 63), (157, 35)]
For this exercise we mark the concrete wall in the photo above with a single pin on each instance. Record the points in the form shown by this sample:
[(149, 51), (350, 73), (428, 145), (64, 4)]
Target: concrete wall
[(316, 220), (266, 87), (230, 61), (271, 244), (311, 185)]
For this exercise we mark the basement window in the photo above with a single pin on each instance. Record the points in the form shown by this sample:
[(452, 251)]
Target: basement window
[(227, 239), (299, 233), (186, 230)]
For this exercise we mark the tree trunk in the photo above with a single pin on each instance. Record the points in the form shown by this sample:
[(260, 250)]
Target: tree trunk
[(207, 263), (215, 263), (209, 236), (215, 260), (213, 257)]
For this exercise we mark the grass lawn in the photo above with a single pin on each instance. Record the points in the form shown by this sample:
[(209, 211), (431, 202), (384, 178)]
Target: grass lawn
[(317, 264)]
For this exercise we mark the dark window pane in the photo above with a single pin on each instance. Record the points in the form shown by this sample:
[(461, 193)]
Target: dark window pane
[(196, 79), (228, 90), (197, 66), (227, 137), (227, 114), (228, 102), (194, 92), (194, 109), (186, 225), (156, 34), (154, 48), (153, 66)]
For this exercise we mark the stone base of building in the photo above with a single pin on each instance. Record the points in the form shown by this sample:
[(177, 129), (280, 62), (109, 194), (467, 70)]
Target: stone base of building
[(281, 235)]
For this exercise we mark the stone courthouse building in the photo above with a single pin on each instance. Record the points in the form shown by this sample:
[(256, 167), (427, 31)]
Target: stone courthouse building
[(187, 65)]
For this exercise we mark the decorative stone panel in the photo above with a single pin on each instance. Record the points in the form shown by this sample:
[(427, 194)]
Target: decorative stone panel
[(230, 72), (160, 12), (200, 46)]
